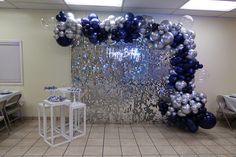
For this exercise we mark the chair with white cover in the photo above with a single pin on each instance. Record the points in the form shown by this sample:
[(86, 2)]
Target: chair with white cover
[(2, 117), (13, 109), (224, 111)]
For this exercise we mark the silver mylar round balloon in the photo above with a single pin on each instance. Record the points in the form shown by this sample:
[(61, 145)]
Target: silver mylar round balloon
[(181, 114), (192, 54), (102, 24), (197, 99), (186, 109), (167, 38), (56, 36), (167, 24), (191, 34), (168, 113), (61, 26), (179, 26), (172, 97), (173, 113), (70, 22), (180, 85), (202, 95), (111, 17), (160, 45), (171, 109), (186, 96), (199, 105), (176, 104), (194, 108), (148, 19), (185, 101), (69, 34), (154, 36), (194, 94), (70, 15), (178, 99), (192, 102), (61, 34), (204, 100), (56, 30)]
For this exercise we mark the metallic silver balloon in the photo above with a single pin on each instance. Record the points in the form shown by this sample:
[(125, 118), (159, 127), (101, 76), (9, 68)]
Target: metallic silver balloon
[(56, 36), (185, 101), (167, 38), (181, 114), (192, 54), (160, 45), (61, 26), (61, 34), (167, 24), (70, 22), (168, 113), (192, 102), (56, 30), (202, 95), (199, 105), (172, 72), (187, 96), (176, 104), (171, 109), (69, 34), (197, 99), (204, 100), (178, 99), (194, 108), (148, 19), (154, 36), (186, 109), (180, 85)]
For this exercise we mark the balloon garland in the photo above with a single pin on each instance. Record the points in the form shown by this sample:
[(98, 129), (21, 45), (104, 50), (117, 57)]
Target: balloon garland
[(184, 108)]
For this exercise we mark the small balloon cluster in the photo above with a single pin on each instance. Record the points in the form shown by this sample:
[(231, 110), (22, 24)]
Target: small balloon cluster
[(185, 107), (50, 87), (56, 98), (74, 90)]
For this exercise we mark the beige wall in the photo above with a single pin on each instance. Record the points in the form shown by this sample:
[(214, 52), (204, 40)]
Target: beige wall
[(46, 63)]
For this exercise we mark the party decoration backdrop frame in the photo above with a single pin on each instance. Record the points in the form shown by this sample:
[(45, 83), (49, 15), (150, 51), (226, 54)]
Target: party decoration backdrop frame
[(129, 66)]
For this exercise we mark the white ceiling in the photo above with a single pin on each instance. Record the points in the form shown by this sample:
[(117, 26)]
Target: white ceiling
[(142, 6)]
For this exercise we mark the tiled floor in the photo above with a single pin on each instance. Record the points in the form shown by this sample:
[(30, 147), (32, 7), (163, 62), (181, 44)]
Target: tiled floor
[(116, 140)]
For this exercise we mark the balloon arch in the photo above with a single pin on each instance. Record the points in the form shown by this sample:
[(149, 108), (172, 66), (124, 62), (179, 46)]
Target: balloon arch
[(183, 106)]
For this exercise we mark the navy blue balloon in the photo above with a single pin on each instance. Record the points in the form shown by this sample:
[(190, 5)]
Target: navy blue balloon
[(93, 38), (191, 126), (129, 16), (173, 78), (95, 23), (179, 39), (62, 13), (138, 18), (64, 41), (92, 16), (208, 121), (60, 18), (84, 21), (122, 33)]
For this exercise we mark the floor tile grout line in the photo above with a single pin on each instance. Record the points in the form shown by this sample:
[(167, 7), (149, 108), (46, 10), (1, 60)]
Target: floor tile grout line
[(87, 139), (104, 134), (120, 141), (31, 146), (151, 139), (136, 140), (16, 144)]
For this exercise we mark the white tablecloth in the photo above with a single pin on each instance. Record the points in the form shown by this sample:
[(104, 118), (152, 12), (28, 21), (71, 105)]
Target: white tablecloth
[(230, 102), (8, 96)]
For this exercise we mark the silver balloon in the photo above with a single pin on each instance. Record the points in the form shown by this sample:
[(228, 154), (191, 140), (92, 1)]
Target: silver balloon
[(173, 113), (167, 38), (56, 36), (167, 24), (199, 105), (181, 114), (197, 99), (168, 113), (70, 22), (111, 17), (202, 95), (192, 54), (171, 109), (113, 24), (154, 36), (179, 26), (194, 94), (61, 26), (204, 100), (148, 19), (61, 34), (187, 96), (185, 101), (102, 24), (178, 99), (56, 30), (192, 102), (70, 15), (180, 85), (69, 34), (160, 45), (176, 104), (194, 108), (172, 97), (186, 109)]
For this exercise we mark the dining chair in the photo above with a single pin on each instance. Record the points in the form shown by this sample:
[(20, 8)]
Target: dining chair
[(2, 117), (13, 109), (228, 114)]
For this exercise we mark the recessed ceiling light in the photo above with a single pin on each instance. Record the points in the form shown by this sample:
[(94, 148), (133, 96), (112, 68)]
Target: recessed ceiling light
[(1, 0), (212, 5), (114, 3)]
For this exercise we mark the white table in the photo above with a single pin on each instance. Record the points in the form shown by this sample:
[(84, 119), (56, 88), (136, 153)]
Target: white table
[(4, 97), (60, 132)]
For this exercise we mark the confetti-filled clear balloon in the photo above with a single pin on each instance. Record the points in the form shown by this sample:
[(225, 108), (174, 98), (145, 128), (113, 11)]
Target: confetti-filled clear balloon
[(202, 75), (48, 22)]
